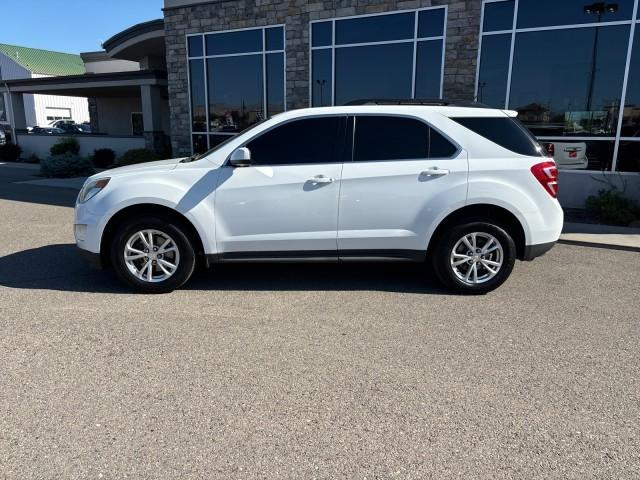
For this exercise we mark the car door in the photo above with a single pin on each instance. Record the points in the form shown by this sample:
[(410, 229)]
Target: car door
[(404, 174), (285, 204)]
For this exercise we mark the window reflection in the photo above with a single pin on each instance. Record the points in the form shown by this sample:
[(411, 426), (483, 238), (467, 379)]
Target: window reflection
[(428, 69), (498, 16), (431, 23), (358, 73), (581, 154), (195, 46), (274, 38), (198, 99), (275, 83), (631, 114), (494, 70), (234, 95), (378, 28), (322, 34), (321, 78), (234, 42), (235, 92), (569, 82), (377, 56), (542, 13)]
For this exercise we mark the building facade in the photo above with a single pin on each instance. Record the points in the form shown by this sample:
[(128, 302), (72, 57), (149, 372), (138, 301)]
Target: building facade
[(40, 110), (124, 86), (442, 27), (571, 69)]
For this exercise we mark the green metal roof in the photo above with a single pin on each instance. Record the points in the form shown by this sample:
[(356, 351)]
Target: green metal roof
[(44, 62)]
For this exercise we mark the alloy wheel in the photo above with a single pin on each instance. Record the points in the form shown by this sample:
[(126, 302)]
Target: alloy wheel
[(477, 258), (151, 255)]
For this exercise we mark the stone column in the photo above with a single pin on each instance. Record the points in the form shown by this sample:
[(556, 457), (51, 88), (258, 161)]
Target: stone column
[(154, 135), (94, 115)]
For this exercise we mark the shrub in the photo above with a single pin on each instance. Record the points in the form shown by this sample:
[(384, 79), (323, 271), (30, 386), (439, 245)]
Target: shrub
[(611, 206), (165, 153), (10, 152), (33, 158), (103, 157), (65, 145), (66, 166), (140, 155)]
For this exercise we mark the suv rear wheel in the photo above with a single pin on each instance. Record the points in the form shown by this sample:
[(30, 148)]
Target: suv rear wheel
[(152, 255), (474, 257)]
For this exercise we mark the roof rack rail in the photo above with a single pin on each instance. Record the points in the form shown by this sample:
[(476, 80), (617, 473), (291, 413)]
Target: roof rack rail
[(438, 102)]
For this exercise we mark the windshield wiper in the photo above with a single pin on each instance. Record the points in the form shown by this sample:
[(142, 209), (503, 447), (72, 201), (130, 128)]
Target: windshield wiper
[(190, 159)]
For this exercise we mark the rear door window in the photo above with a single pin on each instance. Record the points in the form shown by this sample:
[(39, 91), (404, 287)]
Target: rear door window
[(379, 138), (507, 132)]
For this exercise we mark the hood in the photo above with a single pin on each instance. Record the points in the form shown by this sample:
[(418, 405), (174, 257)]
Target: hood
[(159, 166)]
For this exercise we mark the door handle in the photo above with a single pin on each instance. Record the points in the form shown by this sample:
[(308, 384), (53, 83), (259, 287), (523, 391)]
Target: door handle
[(435, 172), (322, 179)]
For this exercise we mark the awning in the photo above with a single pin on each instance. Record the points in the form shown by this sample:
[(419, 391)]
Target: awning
[(100, 85)]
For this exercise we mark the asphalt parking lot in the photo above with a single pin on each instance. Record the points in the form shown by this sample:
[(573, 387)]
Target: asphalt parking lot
[(311, 371)]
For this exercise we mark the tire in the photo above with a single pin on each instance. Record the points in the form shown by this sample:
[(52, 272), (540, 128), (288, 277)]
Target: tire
[(456, 270), (178, 252)]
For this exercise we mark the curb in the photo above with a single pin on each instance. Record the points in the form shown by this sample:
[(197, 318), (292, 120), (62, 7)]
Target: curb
[(608, 246)]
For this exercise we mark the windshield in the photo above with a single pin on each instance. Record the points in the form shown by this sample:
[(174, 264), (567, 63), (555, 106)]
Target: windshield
[(220, 145)]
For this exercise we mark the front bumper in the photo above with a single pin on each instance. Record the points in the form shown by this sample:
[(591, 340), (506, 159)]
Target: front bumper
[(87, 229), (534, 251)]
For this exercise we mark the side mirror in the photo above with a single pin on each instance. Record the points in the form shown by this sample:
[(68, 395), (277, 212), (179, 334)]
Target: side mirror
[(241, 157)]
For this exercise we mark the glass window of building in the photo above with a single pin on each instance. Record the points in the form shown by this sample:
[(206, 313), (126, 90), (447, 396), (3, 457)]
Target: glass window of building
[(236, 78), (498, 16), (347, 55), (564, 68), (629, 150), (494, 70)]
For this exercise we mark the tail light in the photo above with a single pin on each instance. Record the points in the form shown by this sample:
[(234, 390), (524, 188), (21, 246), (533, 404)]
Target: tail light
[(550, 148), (547, 174)]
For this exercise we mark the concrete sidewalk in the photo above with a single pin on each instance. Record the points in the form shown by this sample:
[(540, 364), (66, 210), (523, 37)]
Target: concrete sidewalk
[(604, 236)]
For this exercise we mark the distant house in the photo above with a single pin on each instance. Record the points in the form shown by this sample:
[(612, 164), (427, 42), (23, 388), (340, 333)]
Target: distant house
[(21, 63)]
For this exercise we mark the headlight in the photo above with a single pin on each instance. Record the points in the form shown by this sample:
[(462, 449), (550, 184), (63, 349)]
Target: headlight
[(91, 189)]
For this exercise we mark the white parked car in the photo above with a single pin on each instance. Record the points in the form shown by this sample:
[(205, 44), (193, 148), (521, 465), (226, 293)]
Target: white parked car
[(467, 189), (569, 155)]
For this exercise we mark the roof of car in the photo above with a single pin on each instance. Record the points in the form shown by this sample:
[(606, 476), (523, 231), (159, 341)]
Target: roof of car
[(424, 102), (390, 109)]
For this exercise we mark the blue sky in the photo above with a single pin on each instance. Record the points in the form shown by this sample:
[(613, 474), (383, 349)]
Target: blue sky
[(71, 26)]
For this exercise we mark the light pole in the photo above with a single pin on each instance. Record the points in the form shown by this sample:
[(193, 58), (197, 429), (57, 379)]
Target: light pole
[(321, 83), (599, 9)]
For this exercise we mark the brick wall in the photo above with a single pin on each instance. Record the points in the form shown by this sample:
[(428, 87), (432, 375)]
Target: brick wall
[(460, 54)]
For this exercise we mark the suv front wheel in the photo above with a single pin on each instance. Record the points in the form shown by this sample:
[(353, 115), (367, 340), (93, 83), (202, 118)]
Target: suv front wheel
[(474, 257), (152, 255)]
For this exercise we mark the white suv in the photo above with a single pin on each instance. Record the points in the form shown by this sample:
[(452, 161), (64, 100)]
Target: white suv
[(466, 188)]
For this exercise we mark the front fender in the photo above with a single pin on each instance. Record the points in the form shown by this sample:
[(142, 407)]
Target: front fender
[(190, 193)]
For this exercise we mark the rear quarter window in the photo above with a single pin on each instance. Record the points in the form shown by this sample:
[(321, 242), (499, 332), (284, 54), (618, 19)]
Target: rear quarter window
[(507, 132)]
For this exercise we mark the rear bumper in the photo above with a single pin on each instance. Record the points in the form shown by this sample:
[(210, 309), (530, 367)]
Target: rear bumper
[(535, 251)]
